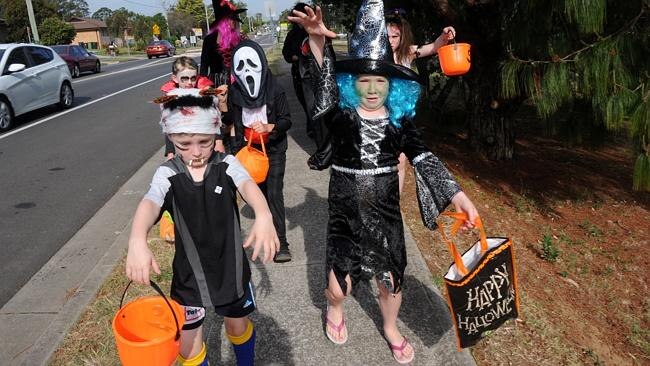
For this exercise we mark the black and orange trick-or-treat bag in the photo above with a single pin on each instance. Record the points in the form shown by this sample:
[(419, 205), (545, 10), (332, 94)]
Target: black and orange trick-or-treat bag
[(481, 284)]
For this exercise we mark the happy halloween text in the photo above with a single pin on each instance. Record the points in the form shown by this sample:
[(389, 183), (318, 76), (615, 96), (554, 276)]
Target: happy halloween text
[(494, 295)]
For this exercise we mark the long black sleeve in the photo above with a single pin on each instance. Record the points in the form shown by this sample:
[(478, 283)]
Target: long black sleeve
[(292, 43), (282, 115), (205, 63), (435, 186), (210, 57)]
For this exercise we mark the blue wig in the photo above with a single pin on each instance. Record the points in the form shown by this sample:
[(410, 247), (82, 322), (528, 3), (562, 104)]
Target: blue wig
[(401, 101)]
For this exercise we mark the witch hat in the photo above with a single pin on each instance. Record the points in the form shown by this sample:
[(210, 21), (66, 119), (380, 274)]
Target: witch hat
[(369, 49), (226, 9)]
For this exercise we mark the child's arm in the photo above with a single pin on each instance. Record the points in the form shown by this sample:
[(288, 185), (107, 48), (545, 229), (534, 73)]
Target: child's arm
[(140, 259), (263, 232), (429, 49), (312, 22)]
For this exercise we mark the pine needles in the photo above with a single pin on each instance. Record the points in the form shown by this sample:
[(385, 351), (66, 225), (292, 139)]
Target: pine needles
[(591, 50)]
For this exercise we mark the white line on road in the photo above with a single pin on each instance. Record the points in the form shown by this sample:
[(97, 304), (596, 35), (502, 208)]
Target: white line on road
[(151, 64), (80, 106)]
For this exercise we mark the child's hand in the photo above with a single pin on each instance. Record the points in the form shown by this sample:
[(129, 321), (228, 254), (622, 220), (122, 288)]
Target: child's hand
[(448, 33), (260, 127), (311, 21), (463, 204), (265, 238), (139, 262), (222, 96)]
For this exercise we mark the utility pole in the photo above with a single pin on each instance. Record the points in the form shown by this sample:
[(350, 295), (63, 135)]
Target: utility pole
[(207, 21), (165, 8), (32, 20)]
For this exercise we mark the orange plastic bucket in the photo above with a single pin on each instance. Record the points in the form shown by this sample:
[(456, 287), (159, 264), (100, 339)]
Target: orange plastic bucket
[(255, 161), (147, 330), (454, 58)]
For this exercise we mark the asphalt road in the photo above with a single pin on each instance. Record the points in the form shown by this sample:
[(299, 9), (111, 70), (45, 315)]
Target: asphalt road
[(57, 169)]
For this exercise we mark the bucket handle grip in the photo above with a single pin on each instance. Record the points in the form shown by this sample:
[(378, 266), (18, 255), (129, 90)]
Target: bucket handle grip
[(453, 40), (159, 291)]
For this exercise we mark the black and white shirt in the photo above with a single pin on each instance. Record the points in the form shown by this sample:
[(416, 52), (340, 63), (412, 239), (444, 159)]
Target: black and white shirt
[(210, 266)]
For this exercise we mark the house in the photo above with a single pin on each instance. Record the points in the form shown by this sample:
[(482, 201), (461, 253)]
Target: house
[(93, 33)]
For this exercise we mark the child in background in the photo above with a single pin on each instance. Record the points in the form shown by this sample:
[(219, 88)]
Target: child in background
[(198, 187), (400, 37), (185, 75)]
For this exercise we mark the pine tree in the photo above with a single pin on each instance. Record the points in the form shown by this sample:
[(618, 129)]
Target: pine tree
[(581, 56), (577, 55)]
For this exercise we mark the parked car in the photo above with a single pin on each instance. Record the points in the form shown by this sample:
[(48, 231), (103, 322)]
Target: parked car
[(32, 77), (78, 59), (160, 48)]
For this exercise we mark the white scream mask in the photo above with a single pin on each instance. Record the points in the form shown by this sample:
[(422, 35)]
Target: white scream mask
[(248, 69)]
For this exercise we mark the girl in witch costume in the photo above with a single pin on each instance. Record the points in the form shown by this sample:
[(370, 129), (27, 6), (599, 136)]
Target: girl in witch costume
[(259, 111), (371, 103)]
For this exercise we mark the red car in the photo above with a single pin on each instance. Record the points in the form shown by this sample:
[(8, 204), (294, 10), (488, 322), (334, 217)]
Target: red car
[(78, 59), (160, 48)]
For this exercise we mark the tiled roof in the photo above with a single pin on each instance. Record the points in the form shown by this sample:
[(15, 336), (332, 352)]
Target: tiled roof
[(87, 23)]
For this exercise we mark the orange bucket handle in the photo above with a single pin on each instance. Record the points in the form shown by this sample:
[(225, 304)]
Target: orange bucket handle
[(159, 291), (454, 41), (253, 132)]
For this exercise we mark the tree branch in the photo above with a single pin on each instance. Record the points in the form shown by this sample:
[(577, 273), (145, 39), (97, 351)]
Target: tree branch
[(571, 57)]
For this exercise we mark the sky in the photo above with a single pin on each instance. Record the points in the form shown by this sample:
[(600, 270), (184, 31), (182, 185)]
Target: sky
[(151, 7)]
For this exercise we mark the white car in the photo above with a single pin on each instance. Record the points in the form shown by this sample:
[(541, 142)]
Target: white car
[(32, 77)]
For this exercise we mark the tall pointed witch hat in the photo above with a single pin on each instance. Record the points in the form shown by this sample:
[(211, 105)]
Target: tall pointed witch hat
[(369, 49), (226, 9)]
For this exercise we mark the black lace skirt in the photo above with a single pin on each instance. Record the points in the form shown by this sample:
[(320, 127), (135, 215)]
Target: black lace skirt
[(365, 236)]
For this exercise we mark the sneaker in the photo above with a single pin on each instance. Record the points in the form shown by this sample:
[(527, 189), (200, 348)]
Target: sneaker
[(284, 255)]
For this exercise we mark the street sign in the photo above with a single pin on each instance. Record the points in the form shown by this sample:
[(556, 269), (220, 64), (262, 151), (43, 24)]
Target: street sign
[(156, 29)]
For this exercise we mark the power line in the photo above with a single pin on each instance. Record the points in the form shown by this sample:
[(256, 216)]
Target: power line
[(137, 3)]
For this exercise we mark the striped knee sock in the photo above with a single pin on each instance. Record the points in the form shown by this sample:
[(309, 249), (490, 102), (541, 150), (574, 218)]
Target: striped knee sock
[(244, 346), (199, 360)]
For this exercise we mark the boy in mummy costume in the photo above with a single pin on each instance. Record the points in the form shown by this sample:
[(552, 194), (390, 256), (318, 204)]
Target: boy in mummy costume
[(370, 102), (198, 187)]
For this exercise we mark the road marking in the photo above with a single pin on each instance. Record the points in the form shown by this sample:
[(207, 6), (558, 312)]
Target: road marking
[(166, 75), (101, 75)]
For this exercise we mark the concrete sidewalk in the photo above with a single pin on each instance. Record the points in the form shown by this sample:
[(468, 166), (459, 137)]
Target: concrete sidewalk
[(290, 298)]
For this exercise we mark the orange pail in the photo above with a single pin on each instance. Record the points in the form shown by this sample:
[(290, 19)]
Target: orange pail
[(255, 161), (454, 58), (147, 330)]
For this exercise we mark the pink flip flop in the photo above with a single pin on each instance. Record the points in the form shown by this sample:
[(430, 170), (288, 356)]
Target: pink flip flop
[(338, 328), (400, 349)]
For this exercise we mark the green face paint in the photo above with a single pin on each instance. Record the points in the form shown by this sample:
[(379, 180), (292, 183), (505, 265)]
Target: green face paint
[(372, 91)]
